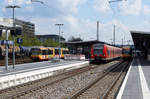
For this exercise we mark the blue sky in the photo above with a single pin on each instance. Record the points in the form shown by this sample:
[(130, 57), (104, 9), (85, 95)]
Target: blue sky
[(80, 16)]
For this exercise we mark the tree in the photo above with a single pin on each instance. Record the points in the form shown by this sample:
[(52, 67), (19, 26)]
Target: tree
[(50, 43), (29, 41), (73, 39)]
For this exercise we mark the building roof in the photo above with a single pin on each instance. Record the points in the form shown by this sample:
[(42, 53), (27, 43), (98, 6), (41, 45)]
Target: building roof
[(141, 39), (83, 42), (49, 35)]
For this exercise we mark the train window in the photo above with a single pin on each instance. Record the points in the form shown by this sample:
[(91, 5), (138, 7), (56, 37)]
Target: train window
[(35, 51), (50, 52), (98, 48), (56, 51), (44, 52), (65, 52), (125, 51), (98, 51), (108, 53)]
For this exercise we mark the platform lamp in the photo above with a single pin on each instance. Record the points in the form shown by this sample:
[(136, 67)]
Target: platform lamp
[(13, 7), (59, 25)]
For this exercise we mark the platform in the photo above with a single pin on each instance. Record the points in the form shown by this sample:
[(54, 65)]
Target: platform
[(24, 73), (136, 84), (33, 66)]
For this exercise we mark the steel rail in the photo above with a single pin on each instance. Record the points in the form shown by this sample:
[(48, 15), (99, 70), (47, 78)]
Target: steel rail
[(31, 89), (74, 96), (114, 82)]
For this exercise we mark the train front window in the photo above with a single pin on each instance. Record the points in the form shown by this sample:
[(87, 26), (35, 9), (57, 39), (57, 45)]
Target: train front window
[(56, 51), (50, 52), (44, 52), (98, 49), (65, 52), (126, 51), (35, 51)]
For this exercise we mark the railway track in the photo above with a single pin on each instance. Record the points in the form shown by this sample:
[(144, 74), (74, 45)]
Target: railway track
[(101, 86), (21, 90), (20, 60)]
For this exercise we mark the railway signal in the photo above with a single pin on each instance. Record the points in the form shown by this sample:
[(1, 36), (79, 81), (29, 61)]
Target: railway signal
[(19, 40), (16, 31), (7, 42), (1, 31)]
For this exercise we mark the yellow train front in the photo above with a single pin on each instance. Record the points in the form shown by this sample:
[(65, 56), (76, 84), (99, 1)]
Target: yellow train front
[(42, 53), (47, 53), (126, 53), (63, 52)]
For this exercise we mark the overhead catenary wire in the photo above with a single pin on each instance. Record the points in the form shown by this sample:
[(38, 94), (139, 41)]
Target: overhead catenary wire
[(115, 14)]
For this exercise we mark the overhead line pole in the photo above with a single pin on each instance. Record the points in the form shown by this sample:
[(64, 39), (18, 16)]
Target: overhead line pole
[(59, 25), (114, 34), (97, 30), (13, 7)]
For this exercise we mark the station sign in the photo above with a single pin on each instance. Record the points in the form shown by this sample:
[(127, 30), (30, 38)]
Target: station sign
[(1, 31), (7, 42), (19, 40)]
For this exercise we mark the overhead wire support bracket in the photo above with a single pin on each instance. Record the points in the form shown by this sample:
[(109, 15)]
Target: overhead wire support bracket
[(37, 1), (115, 1)]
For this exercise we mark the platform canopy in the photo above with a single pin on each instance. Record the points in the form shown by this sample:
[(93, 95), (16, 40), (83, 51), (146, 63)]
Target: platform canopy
[(141, 40), (81, 43)]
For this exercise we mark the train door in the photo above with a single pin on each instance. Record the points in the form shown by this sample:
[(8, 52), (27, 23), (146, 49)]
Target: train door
[(44, 53), (56, 53), (50, 53)]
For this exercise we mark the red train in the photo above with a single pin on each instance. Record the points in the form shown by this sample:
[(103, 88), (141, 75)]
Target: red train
[(104, 52)]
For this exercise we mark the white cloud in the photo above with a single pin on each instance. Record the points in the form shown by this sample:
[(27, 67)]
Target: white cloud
[(130, 7), (29, 8), (72, 26), (71, 5), (146, 10), (102, 6), (122, 31), (84, 28), (145, 26), (9, 1), (18, 2)]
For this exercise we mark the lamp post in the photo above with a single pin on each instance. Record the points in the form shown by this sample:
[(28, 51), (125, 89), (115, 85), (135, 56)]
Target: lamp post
[(59, 25), (13, 7)]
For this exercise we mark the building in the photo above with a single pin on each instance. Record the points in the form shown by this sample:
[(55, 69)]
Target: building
[(54, 37), (81, 47), (28, 28)]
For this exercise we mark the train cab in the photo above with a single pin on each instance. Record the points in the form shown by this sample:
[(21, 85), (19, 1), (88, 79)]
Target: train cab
[(38, 53), (104, 52)]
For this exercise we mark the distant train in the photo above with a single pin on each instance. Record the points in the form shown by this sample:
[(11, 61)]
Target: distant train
[(127, 53), (47, 53), (10, 51), (103, 52)]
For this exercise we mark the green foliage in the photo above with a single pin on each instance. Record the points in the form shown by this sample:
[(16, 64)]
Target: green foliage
[(74, 39), (50, 43), (28, 41), (2, 38)]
